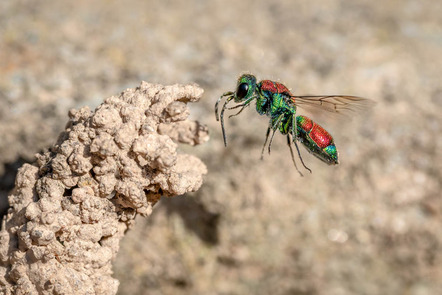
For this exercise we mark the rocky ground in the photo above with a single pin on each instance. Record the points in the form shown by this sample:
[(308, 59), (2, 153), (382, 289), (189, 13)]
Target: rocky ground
[(368, 226)]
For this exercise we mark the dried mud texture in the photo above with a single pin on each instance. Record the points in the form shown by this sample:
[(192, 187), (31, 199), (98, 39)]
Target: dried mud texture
[(70, 210)]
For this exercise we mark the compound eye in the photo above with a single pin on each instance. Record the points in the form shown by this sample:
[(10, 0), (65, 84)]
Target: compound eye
[(242, 90)]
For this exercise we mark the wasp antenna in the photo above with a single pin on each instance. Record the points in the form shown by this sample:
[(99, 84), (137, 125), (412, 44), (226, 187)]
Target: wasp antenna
[(218, 101), (222, 118)]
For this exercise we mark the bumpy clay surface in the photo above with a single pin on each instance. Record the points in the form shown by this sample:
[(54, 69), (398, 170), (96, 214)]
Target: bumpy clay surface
[(70, 210)]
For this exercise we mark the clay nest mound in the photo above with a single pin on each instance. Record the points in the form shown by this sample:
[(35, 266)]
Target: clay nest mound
[(71, 208)]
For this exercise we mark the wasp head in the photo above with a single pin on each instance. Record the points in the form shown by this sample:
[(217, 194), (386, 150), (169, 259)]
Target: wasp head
[(245, 88)]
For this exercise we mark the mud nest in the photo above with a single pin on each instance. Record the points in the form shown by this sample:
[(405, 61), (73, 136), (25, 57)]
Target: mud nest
[(69, 210)]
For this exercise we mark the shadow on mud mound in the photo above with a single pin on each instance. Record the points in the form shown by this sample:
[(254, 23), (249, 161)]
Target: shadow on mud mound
[(195, 216), (7, 180)]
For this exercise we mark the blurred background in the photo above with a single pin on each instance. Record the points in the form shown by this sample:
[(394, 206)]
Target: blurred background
[(371, 225)]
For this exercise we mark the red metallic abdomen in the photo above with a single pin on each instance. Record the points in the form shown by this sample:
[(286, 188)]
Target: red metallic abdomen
[(320, 136)]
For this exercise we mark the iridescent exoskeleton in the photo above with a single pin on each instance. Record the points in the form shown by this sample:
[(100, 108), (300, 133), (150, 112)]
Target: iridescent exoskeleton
[(277, 102)]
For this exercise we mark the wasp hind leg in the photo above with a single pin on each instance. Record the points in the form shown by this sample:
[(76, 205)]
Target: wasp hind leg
[(289, 143), (299, 155), (295, 135)]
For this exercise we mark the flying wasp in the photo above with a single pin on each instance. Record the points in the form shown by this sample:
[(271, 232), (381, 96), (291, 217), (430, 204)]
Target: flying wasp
[(277, 102)]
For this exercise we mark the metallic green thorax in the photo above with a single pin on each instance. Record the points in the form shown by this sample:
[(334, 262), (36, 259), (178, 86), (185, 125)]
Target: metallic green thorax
[(278, 107)]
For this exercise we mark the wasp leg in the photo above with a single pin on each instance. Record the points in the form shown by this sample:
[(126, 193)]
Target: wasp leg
[(289, 143), (218, 101), (243, 105), (271, 140), (299, 155), (295, 136), (265, 142), (275, 127)]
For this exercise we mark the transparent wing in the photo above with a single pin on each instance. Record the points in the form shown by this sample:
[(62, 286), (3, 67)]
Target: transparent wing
[(339, 104)]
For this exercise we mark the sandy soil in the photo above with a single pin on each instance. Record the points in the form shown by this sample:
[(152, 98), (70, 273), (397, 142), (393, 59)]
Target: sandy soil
[(368, 226)]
